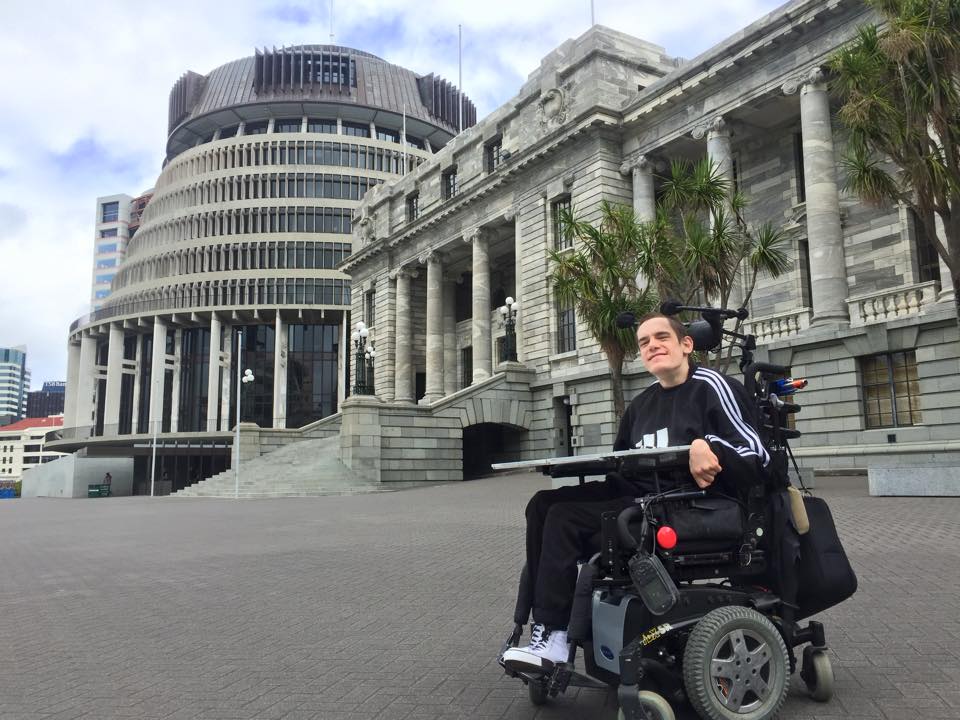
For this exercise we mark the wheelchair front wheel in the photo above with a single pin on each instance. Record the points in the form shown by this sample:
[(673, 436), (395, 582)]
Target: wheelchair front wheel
[(817, 674), (735, 665), (656, 706), (538, 691)]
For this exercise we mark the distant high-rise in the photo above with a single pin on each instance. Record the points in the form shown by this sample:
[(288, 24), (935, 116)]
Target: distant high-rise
[(48, 401), (118, 218), (14, 384)]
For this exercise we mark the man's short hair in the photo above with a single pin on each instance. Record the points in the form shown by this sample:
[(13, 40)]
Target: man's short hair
[(679, 329)]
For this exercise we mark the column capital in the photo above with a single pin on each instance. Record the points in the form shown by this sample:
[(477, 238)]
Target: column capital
[(816, 77), (713, 128), (406, 271), (431, 256), (511, 213), (477, 234), (639, 162)]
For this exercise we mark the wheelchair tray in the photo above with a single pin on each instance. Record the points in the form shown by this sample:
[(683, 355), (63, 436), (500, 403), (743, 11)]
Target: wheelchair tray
[(602, 463)]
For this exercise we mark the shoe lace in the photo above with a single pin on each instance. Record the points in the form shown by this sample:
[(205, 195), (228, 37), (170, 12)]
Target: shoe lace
[(539, 637)]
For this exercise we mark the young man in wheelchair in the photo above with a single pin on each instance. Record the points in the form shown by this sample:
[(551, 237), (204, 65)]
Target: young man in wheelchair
[(687, 405)]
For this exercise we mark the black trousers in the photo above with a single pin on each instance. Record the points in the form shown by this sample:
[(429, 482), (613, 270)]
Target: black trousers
[(563, 526)]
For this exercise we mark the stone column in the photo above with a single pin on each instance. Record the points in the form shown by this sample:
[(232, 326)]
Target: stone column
[(137, 369), (828, 268), (73, 384), (213, 374), (385, 338), (434, 385), (280, 373), (403, 371), (342, 356), (111, 412), (450, 384), (518, 279), (719, 148), (640, 168), (482, 353), (175, 391), (226, 377), (157, 367), (86, 385), (947, 293)]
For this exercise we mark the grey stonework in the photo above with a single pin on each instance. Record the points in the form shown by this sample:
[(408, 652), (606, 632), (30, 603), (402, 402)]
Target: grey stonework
[(598, 113)]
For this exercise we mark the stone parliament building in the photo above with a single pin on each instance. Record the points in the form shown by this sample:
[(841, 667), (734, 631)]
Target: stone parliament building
[(865, 313)]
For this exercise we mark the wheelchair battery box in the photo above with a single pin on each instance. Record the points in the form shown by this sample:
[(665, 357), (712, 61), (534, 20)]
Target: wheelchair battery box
[(653, 583)]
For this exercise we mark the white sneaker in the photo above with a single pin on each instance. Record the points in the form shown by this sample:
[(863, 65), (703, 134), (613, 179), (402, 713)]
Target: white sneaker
[(546, 649)]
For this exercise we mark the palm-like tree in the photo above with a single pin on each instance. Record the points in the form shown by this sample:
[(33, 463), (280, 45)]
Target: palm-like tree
[(901, 104), (601, 277), (696, 245)]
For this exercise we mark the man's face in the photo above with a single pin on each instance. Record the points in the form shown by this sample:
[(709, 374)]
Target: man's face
[(660, 350)]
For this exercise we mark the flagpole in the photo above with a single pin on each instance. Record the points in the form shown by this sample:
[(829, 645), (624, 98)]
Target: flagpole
[(236, 441), (403, 138)]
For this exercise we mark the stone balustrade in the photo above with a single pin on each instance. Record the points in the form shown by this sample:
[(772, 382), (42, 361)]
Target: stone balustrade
[(891, 303), (782, 325)]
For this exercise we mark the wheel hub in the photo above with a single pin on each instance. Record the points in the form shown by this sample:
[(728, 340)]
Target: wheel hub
[(740, 670)]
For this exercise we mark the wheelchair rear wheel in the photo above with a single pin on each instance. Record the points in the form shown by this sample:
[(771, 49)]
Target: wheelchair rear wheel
[(656, 705), (735, 665)]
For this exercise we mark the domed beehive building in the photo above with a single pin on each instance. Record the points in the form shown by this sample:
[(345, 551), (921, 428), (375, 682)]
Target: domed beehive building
[(267, 157)]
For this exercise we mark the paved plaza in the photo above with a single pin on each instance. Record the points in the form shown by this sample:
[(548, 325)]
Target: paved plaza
[(389, 606)]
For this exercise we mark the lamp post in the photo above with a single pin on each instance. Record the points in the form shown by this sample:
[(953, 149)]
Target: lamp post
[(369, 355), (242, 380), (363, 360), (508, 313)]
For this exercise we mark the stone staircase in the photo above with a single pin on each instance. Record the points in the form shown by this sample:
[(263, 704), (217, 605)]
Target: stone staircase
[(301, 469)]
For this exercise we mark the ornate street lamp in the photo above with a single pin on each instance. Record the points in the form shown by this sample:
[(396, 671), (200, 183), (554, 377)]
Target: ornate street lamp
[(508, 313), (363, 360), (370, 354)]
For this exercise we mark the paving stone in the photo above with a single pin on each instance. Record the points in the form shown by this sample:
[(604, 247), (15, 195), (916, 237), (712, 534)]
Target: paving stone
[(391, 606)]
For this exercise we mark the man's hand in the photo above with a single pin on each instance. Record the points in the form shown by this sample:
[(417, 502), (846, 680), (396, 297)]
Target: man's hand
[(704, 464)]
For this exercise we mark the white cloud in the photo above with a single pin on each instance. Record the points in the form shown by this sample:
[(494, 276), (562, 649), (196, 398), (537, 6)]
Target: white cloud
[(84, 103)]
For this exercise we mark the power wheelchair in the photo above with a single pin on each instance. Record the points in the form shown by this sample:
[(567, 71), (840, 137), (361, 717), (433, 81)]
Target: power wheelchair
[(697, 597)]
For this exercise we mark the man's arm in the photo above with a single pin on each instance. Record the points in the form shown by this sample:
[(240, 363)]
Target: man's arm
[(730, 432)]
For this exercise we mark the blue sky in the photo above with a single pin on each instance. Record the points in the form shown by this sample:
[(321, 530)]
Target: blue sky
[(87, 116)]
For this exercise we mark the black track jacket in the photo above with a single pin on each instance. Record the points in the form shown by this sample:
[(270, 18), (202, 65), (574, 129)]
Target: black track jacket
[(706, 405)]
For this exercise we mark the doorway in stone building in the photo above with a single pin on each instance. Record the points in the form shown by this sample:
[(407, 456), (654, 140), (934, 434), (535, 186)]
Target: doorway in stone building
[(488, 443)]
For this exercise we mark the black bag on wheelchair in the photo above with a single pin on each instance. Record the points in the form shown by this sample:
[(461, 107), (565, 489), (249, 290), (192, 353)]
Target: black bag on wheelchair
[(710, 519), (825, 575)]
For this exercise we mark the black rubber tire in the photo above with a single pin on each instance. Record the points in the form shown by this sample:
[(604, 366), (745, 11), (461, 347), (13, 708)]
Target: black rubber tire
[(538, 692), (819, 676), (655, 704), (712, 633)]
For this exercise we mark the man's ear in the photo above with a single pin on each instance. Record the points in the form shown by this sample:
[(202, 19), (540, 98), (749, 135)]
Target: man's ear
[(687, 345)]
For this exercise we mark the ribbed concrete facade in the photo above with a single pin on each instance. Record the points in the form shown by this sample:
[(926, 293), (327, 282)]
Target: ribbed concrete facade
[(248, 220)]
